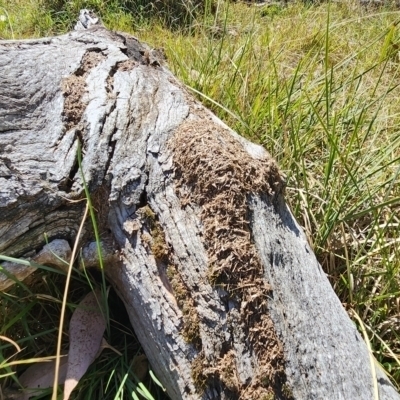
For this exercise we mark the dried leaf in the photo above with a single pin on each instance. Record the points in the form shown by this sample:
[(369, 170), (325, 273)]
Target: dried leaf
[(140, 366), (105, 345), (40, 376), (86, 330)]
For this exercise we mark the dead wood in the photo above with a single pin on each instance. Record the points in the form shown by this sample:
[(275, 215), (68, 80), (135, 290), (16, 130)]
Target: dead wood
[(221, 286)]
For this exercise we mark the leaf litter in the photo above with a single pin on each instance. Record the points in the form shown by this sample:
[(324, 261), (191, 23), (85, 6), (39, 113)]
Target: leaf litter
[(86, 331), (86, 342)]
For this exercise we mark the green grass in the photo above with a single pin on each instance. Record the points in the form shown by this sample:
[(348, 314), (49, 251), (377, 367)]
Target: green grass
[(37, 315), (317, 85), (31, 319)]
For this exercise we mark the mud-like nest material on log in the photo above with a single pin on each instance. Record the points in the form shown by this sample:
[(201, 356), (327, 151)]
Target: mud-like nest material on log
[(74, 87), (214, 171), (159, 248)]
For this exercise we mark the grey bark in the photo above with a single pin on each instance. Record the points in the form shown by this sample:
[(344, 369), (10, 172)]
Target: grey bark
[(114, 95)]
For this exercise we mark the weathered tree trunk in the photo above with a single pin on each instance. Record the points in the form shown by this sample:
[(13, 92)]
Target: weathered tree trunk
[(221, 286)]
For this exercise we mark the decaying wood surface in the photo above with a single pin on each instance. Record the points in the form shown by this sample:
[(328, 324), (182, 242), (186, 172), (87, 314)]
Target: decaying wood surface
[(220, 284)]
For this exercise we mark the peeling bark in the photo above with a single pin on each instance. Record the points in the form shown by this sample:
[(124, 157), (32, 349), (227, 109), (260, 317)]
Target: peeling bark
[(221, 286)]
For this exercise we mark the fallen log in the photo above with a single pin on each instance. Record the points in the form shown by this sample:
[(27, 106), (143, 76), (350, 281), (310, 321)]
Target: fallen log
[(220, 284)]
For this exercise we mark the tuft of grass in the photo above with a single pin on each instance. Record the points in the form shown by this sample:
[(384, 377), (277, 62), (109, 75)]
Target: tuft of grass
[(317, 85), (27, 317), (30, 320), (307, 84)]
